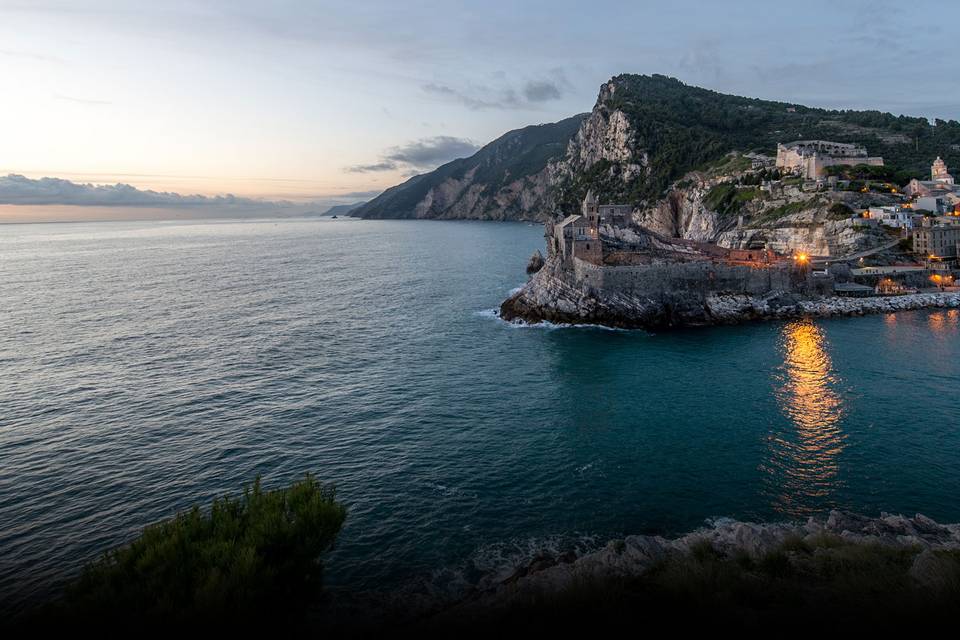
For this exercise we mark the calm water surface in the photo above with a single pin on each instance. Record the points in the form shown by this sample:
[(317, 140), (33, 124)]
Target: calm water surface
[(148, 366)]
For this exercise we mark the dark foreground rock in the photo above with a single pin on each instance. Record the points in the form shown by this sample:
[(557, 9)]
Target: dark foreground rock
[(842, 571), (832, 574)]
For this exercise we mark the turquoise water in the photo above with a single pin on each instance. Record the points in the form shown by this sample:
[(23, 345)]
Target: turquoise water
[(149, 366)]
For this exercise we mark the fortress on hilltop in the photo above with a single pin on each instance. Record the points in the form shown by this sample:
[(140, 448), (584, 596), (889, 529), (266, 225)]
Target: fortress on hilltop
[(810, 157)]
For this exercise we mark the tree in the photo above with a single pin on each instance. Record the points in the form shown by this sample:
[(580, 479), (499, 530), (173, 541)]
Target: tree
[(244, 557)]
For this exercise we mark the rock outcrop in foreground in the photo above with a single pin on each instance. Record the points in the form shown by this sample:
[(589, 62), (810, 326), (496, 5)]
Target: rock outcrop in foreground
[(840, 570), (635, 555), (833, 571)]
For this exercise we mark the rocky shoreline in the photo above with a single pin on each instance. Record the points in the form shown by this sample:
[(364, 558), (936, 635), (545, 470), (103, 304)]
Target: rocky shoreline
[(920, 537), (550, 297)]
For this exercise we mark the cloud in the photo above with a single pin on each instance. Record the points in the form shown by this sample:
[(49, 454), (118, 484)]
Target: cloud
[(40, 57), (542, 91), (363, 195), (419, 155), (20, 190), (504, 99), (373, 168), (480, 97), (86, 101)]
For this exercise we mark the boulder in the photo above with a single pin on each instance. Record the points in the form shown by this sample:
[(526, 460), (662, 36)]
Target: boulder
[(535, 263)]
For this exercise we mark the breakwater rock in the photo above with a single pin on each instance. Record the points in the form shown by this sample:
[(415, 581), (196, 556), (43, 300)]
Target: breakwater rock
[(555, 295)]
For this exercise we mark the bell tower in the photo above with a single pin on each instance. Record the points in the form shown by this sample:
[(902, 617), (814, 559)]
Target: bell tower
[(591, 208)]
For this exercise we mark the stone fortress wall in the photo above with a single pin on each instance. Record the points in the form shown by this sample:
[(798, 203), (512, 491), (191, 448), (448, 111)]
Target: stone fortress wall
[(811, 157), (703, 277)]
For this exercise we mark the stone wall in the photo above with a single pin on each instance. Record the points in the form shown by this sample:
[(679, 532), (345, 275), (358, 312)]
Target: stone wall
[(695, 277)]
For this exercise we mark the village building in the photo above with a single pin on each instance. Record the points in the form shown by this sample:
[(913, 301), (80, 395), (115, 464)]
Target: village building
[(853, 290), (936, 240), (939, 173), (616, 215), (888, 270), (935, 204), (890, 287), (773, 187), (810, 158), (577, 237), (941, 184), (892, 216)]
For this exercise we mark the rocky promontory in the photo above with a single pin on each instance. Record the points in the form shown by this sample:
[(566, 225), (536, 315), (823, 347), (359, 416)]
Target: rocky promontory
[(554, 295)]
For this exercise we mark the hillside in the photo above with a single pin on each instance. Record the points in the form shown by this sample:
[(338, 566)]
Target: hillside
[(644, 133), (506, 179), (662, 129)]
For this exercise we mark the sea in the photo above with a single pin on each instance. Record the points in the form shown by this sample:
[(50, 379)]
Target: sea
[(149, 366)]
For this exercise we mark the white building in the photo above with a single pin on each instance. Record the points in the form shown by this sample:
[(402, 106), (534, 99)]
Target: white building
[(933, 204), (892, 216)]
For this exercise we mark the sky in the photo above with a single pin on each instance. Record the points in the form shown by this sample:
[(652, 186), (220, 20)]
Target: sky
[(328, 102)]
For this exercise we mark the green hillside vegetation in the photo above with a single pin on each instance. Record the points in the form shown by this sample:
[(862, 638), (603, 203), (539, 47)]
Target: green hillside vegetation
[(839, 211), (683, 127), (727, 198), (772, 215)]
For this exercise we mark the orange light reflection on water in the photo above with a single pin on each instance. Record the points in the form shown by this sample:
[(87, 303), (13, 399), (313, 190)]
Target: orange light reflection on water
[(944, 323), (804, 466)]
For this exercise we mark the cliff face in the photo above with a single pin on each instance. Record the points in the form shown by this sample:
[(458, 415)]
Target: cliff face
[(816, 223), (608, 138), (683, 214), (509, 179)]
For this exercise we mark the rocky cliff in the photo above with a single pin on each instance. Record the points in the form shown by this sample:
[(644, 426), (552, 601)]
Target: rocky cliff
[(673, 295), (816, 223)]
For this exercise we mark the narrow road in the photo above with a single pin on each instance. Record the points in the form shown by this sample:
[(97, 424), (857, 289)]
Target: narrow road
[(859, 254)]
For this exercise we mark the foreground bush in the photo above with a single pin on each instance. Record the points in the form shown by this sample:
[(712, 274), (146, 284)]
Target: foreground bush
[(243, 558)]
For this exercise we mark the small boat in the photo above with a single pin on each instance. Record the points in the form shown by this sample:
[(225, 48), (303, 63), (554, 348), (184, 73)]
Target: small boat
[(333, 217)]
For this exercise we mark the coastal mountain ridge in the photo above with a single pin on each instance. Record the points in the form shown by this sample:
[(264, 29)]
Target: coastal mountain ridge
[(507, 179), (645, 134)]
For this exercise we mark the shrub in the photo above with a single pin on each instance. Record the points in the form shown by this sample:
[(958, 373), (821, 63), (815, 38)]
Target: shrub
[(727, 199), (839, 211), (243, 557)]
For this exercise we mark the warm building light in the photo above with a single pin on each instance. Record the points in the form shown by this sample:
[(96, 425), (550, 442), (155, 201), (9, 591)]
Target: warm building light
[(802, 257)]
